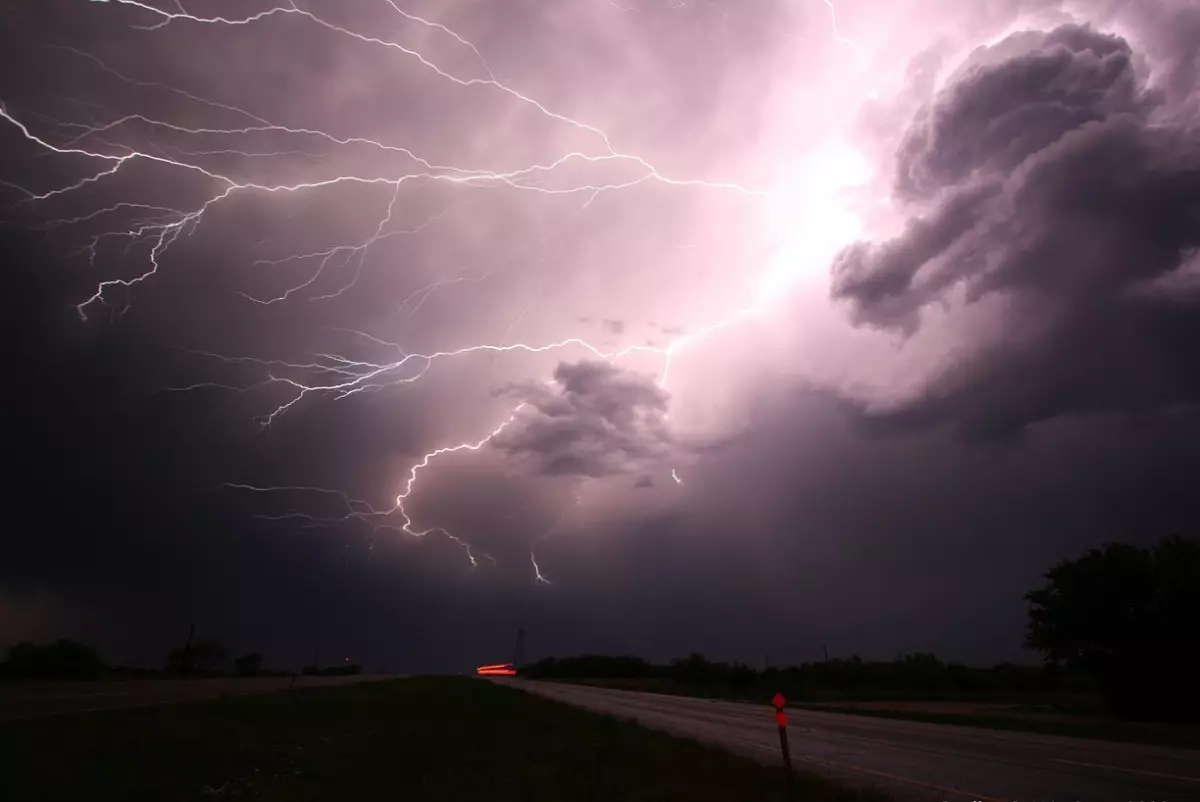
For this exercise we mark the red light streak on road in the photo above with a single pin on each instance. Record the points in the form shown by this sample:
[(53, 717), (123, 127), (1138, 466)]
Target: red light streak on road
[(497, 670)]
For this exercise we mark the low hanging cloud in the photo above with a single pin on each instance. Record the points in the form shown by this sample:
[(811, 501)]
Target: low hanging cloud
[(593, 420), (1052, 175)]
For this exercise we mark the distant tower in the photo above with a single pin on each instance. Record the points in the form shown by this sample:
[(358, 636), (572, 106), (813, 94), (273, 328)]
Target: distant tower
[(519, 651)]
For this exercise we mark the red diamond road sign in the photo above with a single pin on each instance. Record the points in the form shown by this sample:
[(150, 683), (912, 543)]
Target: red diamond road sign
[(781, 719)]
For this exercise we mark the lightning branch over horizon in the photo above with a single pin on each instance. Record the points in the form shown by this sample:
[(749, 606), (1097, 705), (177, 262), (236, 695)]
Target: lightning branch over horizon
[(107, 144), (538, 577)]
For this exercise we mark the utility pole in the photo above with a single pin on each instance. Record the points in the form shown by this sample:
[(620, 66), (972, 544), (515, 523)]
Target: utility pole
[(519, 651), (825, 649)]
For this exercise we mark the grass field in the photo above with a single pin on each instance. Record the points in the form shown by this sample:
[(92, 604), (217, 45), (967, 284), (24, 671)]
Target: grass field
[(415, 739), (939, 712)]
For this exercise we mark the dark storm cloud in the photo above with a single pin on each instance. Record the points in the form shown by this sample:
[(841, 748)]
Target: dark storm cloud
[(1057, 191), (999, 111), (807, 532), (597, 420), (879, 277), (1165, 33), (791, 531), (116, 517)]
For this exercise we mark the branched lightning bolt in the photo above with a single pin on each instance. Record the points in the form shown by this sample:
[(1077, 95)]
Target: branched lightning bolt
[(837, 35), (538, 577), (330, 374)]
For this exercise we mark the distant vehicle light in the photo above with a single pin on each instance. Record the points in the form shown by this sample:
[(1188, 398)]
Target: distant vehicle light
[(497, 670)]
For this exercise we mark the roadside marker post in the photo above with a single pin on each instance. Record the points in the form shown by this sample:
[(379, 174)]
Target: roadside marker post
[(781, 719)]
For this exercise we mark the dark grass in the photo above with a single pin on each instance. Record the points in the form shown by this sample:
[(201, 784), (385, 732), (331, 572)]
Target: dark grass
[(1100, 728), (414, 739)]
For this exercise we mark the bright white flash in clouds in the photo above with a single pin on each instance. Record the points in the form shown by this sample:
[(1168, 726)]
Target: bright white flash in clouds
[(812, 217), (666, 231)]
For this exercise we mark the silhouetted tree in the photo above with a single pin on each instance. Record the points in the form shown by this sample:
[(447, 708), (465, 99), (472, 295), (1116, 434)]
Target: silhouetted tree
[(61, 659), (1130, 615), (209, 655), (591, 666), (248, 664), (694, 667), (742, 676), (179, 661)]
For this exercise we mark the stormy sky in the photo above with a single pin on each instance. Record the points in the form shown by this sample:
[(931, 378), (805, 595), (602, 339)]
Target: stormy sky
[(386, 327)]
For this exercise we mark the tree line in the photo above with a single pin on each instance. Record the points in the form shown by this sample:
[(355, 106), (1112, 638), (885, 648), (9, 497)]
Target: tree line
[(913, 675), (69, 659)]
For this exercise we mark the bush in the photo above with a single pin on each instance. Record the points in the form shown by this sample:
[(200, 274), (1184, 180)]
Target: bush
[(59, 660), (248, 665), (1129, 615)]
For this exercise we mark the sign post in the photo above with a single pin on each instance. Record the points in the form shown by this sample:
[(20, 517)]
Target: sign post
[(781, 719)]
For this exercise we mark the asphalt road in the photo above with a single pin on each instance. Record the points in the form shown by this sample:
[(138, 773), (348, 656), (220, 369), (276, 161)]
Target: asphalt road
[(909, 759), (35, 700)]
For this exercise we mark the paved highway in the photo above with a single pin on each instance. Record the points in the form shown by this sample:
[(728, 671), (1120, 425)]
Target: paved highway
[(909, 759), (35, 700)]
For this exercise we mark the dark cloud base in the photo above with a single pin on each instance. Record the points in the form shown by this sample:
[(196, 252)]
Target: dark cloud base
[(1051, 175)]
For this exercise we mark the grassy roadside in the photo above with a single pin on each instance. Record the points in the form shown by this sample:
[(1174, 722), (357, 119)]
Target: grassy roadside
[(425, 738), (1104, 729)]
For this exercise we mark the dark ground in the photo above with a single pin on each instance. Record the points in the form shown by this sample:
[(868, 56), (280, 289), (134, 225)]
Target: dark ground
[(424, 738), (27, 700)]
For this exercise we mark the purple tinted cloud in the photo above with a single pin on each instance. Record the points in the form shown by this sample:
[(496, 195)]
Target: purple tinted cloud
[(1056, 187), (407, 206), (596, 420)]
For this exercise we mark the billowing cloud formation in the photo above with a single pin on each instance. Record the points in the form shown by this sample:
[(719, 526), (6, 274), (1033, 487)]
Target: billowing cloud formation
[(1012, 100), (1049, 179), (595, 420)]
